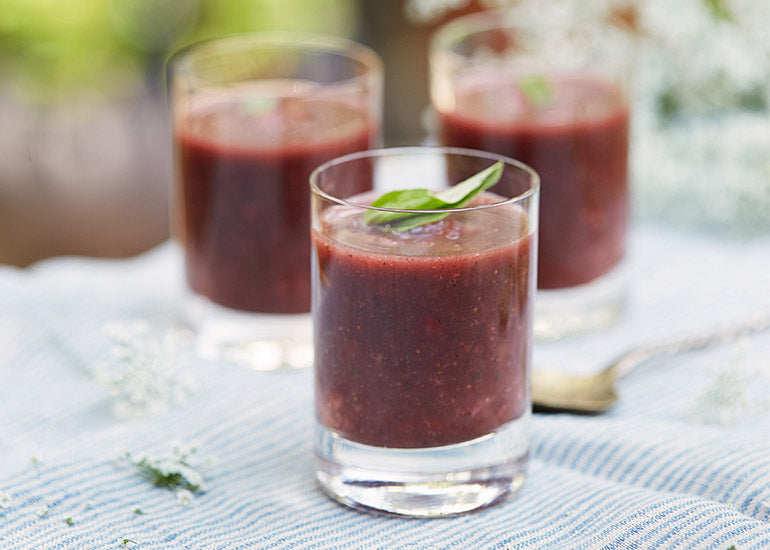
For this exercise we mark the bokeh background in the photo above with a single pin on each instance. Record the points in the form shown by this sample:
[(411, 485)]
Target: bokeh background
[(85, 150)]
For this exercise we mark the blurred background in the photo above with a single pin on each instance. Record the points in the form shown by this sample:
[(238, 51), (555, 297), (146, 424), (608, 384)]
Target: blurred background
[(85, 149)]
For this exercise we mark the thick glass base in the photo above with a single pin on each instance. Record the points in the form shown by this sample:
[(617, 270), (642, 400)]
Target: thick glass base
[(257, 341), (565, 312), (431, 482)]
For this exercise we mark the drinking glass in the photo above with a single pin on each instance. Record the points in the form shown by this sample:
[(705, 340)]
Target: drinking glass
[(422, 336), (551, 91), (252, 116)]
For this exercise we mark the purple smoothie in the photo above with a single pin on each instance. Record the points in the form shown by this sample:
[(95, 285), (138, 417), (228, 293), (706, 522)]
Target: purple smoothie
[(578, 143), (243, 170), (422, 337)]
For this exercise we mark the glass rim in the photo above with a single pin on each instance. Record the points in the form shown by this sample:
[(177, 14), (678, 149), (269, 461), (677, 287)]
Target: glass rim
[(452, 32), (534, 177), (446, 37), (288, 40)]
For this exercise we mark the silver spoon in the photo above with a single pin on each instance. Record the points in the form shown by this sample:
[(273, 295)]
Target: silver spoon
[(595, 393)]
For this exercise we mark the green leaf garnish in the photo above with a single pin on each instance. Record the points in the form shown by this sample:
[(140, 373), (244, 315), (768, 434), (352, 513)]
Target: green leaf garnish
[(408, 199), (719, 10), (258, 105), (160, 477), (536, 89), (176, 472), (422, 199)]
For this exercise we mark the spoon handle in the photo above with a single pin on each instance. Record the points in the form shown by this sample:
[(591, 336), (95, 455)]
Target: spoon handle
[(626, 362)]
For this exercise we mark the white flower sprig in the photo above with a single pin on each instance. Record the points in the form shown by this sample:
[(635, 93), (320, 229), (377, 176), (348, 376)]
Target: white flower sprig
[(729, 395), (5, 500), (142, 373), (181, 471)]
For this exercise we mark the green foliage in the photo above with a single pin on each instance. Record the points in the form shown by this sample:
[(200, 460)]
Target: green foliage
[(51, 48), (719, 9)]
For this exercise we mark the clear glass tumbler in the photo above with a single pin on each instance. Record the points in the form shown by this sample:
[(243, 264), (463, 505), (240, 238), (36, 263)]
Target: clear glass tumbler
[(550, 90), (423, 336), (253, 115)]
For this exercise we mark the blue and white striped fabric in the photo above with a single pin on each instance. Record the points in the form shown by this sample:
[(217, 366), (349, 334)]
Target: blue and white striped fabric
[(682, 461)]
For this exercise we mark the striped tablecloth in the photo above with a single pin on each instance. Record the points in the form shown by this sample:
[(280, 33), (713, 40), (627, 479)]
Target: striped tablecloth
[(682, 461)]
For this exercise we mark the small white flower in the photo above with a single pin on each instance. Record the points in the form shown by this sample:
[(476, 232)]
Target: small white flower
[(735, 388), (428, 11), (184, 497), (181, 470), (5, 500), (142, 373), (43, 511)]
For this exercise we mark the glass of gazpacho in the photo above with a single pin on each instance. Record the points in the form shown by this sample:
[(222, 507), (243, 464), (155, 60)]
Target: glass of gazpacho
[(422, 292), (553, 93), (252, 116)]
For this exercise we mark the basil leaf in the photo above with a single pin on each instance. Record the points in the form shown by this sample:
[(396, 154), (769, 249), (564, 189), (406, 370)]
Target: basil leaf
[(462, 193), (408, 199), (536, 89), (258, 105), (422, 199), (405, 224)]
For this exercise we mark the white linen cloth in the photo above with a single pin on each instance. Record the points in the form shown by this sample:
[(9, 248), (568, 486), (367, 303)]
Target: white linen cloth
[(681, 462)]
